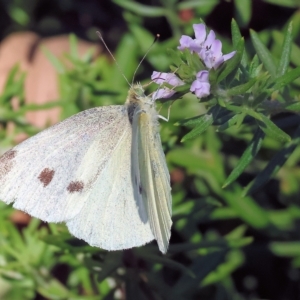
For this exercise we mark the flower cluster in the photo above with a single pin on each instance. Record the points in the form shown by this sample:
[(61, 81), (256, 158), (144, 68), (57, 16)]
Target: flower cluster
[(209, 50)]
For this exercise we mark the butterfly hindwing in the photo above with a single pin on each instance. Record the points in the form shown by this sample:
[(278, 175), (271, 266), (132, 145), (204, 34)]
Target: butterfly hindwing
[(110, 218), (153, 179)]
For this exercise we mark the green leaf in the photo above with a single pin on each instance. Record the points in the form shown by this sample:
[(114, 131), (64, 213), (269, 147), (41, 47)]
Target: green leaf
[(201, 266), (286, 78), (270, 129), (254, 68), (175, 57), (196, 3), (246, 158), (230, 122), (287, 3), (203, 123), (247, 209), (286, 52), (232, 64), (243, 11), (241, 89), (234, 260), (57, 64), (293, 106), (286, 249), (236, 33), (274, 165), (141, 9), (166, 262), (236, 37), (264, 54), (193, 61), (73, 46)]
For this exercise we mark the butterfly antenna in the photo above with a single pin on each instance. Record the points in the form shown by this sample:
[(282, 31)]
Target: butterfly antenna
[(118, 66), (155, 40)]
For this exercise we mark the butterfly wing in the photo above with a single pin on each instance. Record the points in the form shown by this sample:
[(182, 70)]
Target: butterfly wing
[(110, 218), (151, 176), (79, 171), (39, 175)]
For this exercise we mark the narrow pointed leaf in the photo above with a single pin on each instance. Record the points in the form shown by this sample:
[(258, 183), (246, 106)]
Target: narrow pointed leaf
[(167, 262), (233, 63), (243, 11), (198, 119), (286, 52), (175, 57), (273, 166), (293, 107), (240, 89), (235, 33), (57, 64), (247, 157), (286, 78), (247, 209), (73, 46), (264, 54), (236, 37), (286, 249), (230, 122), (254, 67), (270, 129), (141, 9), (201, 266), (205, 121)]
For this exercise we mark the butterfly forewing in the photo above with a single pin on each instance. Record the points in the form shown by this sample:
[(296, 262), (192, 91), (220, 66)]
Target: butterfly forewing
[(154, 183), (41, 174)]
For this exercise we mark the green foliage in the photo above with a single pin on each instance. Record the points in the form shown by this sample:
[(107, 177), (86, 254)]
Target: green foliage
[(233, 159)]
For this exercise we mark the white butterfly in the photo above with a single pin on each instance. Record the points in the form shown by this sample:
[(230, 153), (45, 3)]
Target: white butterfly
[(102, 171)]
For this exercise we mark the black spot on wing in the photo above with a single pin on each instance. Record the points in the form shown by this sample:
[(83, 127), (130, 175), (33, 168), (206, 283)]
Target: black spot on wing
[(46, 176), (75, 186), (6, 162), (140, 189)]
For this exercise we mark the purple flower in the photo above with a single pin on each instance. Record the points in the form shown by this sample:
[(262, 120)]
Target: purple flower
[(213, 57), (160, 78), (170, 78), (208, 48), (201, 86), (163, 93), (200, 42), (187, 42)]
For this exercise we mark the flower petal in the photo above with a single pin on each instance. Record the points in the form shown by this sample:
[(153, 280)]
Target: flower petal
[(201, 86), (210, 39), (185, 42), (218, 62), (202, 76), (159, 77), (200, 32), (229, 55), (216, 48), (163, 93), (172, 79)]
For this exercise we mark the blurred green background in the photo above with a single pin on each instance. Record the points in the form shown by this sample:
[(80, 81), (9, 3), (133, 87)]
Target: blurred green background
[(223, 245)]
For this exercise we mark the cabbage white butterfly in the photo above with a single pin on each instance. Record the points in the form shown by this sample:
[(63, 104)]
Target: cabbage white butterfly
[(102, 171)]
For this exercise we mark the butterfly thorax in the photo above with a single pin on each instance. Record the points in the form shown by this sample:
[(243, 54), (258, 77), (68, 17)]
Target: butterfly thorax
[(137, 102)]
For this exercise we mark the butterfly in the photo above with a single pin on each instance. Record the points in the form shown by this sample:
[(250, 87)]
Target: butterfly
[(102, 171)]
